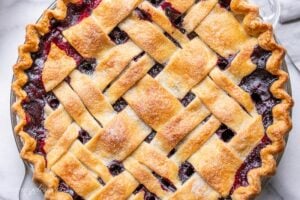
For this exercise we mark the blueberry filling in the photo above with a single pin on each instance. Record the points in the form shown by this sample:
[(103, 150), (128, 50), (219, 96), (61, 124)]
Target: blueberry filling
[(155, 2), (174, 15), (258, 84), (155, 70), (87, 66), (116, 167), (63, 187), (150, 137), (225, 4), (143, 15), (83, 136), (260, 57), (118, 36), (120, 105), (37, 97), (52, 100), (224, 63), (76, 13), (186, 170), (189, 97), (225, 133), (252, 161), (166, 184), (147, 194), (192, 35)]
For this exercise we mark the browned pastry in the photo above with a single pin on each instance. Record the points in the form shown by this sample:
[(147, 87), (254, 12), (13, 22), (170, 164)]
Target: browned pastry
[(153, 99)]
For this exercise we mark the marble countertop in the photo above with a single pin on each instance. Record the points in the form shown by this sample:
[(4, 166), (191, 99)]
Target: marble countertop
[(14, 15)]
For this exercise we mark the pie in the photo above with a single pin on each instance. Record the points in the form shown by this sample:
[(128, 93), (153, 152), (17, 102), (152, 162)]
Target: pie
[(153, 99)]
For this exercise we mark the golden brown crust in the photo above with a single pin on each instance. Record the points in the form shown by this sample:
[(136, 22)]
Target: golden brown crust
[(120, 137), (159, 17), (281, 112), (92, 97), (56, 123), (112, 63), (197, 13), (135, 71), (157, 45), (276, 132), (180, 125), (106, 13), (152, 102), (217, 165), (57, 67), (75, 107), (88, 38), (195, 189), (33, 32), (156, 161), (144, 176), (228, 34), (187, 67), (116, 189), (180, 5), (75, 175)]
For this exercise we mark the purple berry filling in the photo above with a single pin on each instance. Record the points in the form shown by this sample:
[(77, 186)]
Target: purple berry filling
[(36, 95), (252, 161), (118, 36), (155, 2), (192, 35), (87, 66), (171, 153), (147, 194), (150, 137), (225, 133), (166, 184), (120, 105), (224, 63), (174, 15), (63, 187), (186, 170), (225, 4), (52, 101), (143, 15), (76, 13), (116, 167), (189, 97), (83, 136), (258, 84), (155, 70)]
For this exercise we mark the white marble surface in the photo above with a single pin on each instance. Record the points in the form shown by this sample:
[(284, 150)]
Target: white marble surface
[(14, 15)]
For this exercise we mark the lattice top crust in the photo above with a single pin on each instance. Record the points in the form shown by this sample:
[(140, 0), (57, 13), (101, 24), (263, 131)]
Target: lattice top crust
[(165, 99)]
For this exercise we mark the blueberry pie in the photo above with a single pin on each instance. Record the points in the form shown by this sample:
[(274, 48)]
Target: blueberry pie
[(151, 99)]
